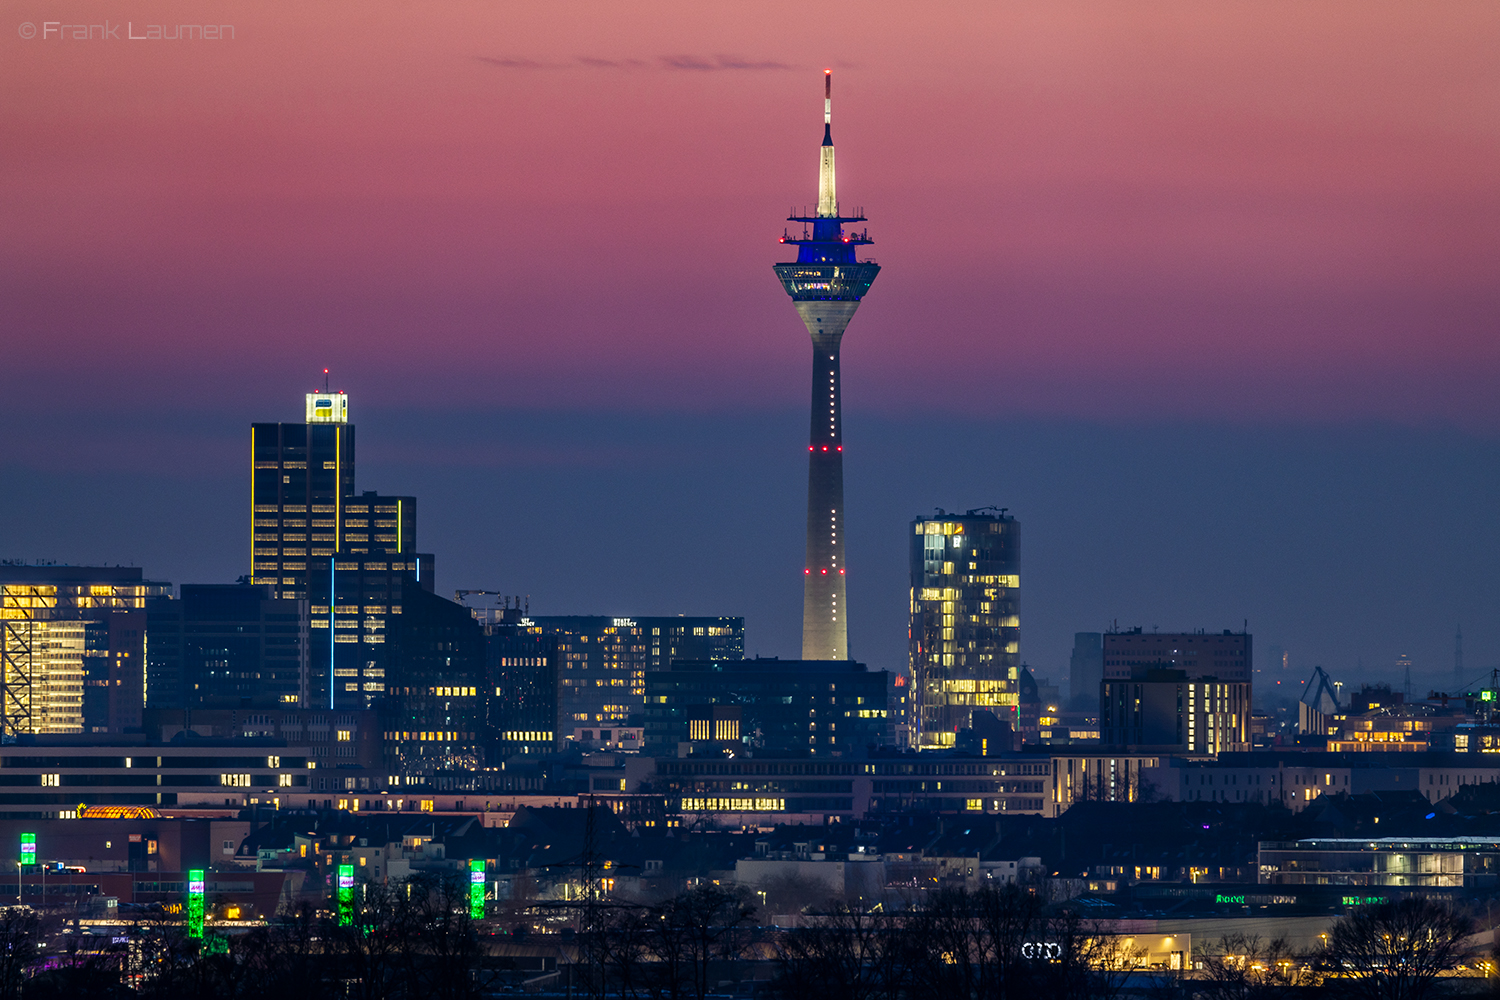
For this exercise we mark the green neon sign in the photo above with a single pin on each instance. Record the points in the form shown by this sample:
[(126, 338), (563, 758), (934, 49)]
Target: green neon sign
[(476, 889), (346, 895), (1228, 899), (28, 848), (195, 903)]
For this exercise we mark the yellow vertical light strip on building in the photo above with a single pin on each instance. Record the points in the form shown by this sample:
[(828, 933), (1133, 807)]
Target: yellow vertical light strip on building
[(252, 503), (338, 488), (399, 546)]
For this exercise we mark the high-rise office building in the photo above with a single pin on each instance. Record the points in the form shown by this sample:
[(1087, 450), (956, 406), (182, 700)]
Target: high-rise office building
[(603, 662), (315, 539), (72, 648), (226, 645), (965, 633), (826, 284), (300, 474), (1185, 692)]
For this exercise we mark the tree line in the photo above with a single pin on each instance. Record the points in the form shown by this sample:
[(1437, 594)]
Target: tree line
[(415, 940)]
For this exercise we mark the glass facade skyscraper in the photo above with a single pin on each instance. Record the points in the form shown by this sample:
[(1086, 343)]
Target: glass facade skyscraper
[(965, 635)]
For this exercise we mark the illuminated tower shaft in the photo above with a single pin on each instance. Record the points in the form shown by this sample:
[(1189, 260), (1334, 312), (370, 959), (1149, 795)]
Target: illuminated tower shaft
[(826, 284)]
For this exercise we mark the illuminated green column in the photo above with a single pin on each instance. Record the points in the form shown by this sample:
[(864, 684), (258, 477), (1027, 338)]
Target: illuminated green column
[(476, 888), (195, 903), (346, 895), (28, 848)]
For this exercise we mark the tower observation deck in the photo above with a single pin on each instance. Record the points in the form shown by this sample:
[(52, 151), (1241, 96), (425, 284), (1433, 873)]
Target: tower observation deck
[(826, 284)]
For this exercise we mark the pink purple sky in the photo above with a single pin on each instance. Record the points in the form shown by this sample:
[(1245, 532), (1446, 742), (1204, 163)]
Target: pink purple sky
[(1243, 214), (1249, 211)]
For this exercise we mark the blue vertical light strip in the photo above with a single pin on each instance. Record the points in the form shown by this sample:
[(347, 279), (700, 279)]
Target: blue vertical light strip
[(332, 569), (419, 569)]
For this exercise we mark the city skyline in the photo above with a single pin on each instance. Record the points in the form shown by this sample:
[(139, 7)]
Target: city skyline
[(1255, 306)]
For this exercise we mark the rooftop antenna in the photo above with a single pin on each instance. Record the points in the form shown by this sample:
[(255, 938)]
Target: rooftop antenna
[(325, 379)]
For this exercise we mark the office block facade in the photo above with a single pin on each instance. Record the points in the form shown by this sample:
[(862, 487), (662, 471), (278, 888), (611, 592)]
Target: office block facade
[(433, 708), (1177, 692), (521, 690), (965, 635), (52, 776), (226, 646), (816, 707), (72, 648), (603, 662), (357, 597)]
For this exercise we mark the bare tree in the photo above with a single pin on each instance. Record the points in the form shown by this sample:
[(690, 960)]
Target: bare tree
[(1245, 967), (19, 930), (844, 954), (1398, 949), (689, 933)]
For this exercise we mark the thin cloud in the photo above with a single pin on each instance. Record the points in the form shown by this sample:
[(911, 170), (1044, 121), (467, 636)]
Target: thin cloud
[(701, 64), (735, 62), (506, 63), (593, 62)]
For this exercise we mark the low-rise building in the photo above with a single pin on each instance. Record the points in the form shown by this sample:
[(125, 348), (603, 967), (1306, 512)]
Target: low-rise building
[(1408, 862)]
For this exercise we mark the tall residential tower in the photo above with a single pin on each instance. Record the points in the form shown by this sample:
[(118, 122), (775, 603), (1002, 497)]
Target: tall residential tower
[(965, 633), (826, 284)]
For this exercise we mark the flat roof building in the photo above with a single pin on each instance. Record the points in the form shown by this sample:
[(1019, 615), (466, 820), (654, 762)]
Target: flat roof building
[(72, 648), (1176, 692), (816, 707)]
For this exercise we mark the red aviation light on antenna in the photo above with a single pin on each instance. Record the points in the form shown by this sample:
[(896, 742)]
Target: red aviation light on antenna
[(825, 572), (807, 572)]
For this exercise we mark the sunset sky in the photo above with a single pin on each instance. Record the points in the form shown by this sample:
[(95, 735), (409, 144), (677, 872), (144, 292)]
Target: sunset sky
[(1205, 292)]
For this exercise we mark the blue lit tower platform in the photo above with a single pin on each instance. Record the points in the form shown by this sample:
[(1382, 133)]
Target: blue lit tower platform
[(826, 284)]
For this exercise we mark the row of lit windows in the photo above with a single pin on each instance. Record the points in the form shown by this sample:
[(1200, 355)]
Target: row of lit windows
[(733, 805)]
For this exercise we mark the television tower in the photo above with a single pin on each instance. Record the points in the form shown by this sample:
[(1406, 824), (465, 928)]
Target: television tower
[(826, 284)]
